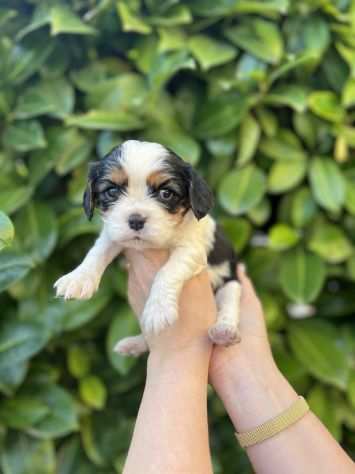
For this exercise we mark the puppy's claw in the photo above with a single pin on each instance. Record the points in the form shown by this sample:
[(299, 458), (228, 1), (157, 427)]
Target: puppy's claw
[(224, 334)]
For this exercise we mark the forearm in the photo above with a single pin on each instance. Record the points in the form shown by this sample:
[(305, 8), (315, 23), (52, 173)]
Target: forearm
[(251, 397), (171, 432)]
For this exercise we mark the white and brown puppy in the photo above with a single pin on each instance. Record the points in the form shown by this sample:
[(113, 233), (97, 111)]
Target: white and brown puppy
[(151, 198)]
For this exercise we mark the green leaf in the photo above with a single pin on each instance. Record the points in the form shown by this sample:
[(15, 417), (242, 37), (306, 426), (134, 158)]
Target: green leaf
[(37, 230), (284, 146), (282, 237), (24, 60), (14, 197), (13, 267), (326, 105), (285, 175), (177, 140), (123, 325), (106, 120), (302, 275), (21, 412), (23, 454), (327, 183), (259, 37), (93, 392), (290, 95), (348, 94), (7, 231), (248, 140), (78, 361), (351, 389), (220, 115), (238, 231), (61, 418), (318, 346), (174, 16), (130, 21), (19, 341), (322, 406), (209, 52), (330, 243), (260, 214), (303, 207), (242, 190), (63, 20), (211, 8), (11, 377), (165, 65), (24, 136), (54, 98), (350, 195)]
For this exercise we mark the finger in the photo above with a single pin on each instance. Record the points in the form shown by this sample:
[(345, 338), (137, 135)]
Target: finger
[(248, 290)]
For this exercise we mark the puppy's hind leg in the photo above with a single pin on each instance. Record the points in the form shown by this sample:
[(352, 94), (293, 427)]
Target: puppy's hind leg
[(225, 331), (133, 346)]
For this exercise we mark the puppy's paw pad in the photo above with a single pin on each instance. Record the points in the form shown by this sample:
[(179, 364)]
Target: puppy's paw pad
[(224, 334), (76, 285), (131, 346)]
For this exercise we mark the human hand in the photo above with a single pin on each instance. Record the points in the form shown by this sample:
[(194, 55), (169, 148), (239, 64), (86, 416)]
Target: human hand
[(196, 305)]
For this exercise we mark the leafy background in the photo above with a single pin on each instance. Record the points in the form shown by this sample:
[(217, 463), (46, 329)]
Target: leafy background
[(260, 96)]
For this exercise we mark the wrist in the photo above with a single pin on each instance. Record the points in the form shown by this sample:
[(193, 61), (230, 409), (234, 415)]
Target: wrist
[(254, 394), (189, 360)]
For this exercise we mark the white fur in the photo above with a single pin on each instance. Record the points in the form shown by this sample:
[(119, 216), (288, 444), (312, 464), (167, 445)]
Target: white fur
[(225, 330), (189, 242), (134, 346)]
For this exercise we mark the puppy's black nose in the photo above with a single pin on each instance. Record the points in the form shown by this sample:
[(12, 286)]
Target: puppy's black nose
[(136, 221)]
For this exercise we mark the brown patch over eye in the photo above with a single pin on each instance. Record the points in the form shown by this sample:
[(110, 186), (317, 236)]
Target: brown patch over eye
[(156, 179), (117, 175)]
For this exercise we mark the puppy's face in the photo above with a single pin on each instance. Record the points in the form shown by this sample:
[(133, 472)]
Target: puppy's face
[(144, 192)]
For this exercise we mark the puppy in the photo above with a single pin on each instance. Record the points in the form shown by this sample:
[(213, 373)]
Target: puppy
[(151, 198)]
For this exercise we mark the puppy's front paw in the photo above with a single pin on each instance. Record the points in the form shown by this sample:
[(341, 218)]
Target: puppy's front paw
[(131, 346), (224, 334), (158, 314), (77, 284)]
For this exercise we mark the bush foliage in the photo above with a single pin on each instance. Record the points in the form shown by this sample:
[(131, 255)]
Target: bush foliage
[(260, 96)]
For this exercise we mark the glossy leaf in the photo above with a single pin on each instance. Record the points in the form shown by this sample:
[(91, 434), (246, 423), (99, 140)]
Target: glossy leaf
[(210, 53), (285, 175), (330, 243), (106, 120), (312, 342), (242, 190), (93, 392), (25, 136), (282, 237), (259, 37), (64, 20), (326, 105), (220, 115), (249, 138), (7, 231), (328, 184), (302, 275), (13, 267)]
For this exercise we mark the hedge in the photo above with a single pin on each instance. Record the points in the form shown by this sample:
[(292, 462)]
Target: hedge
[(260, 96)]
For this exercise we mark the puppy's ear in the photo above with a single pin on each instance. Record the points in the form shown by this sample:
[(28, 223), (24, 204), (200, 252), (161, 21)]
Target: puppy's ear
[(201, 197), (89, 199)]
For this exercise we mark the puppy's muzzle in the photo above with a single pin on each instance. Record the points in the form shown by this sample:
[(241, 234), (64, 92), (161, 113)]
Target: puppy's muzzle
[(136, 222)]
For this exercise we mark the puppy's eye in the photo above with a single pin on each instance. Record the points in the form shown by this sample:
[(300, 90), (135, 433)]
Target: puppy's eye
[(166, 194), (112, 192)]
